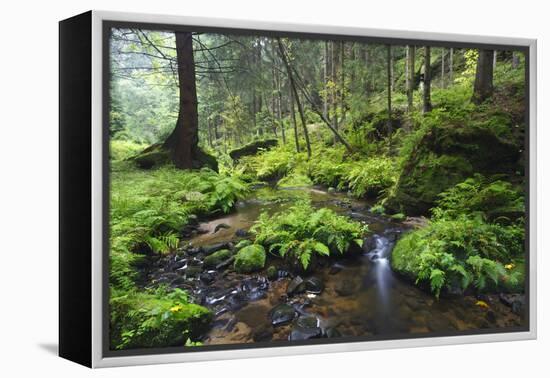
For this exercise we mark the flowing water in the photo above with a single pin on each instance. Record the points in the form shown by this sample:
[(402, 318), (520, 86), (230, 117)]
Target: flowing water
[(348, 296)]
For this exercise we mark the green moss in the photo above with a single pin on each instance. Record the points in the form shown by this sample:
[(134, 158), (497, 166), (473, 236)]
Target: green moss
[(153, 158), (124, 149), (442, 155), (155, 319), (243, 243), (157, 156), (250, 259), (253, 148), (216, 258), (272, 273)]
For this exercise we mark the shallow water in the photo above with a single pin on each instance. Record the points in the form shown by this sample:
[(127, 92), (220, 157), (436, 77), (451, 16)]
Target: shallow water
[(361, 295)]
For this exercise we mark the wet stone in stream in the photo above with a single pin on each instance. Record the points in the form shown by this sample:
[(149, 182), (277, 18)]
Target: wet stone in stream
[(282, 314)]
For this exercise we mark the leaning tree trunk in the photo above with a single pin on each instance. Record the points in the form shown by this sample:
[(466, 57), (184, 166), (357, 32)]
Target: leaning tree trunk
[(427, 106), (183, 142), (293, 119), (296, 96), (483, 85)]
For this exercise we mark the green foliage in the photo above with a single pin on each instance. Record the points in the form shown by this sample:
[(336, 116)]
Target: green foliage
[(124, 149), (250, 258), (272, 164), (301, 231), (459, 253), (149, 208), (157, 318), (362, 177), (493, 199), (235, 118), (370, 177)]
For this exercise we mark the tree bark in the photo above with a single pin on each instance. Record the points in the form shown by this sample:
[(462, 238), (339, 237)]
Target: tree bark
[(334, 57), (325, 76), (410, 78), (389, 89), (293, 119), (296, 97), (183, 141), (443, 67), (209, 131), (342, 82), (483, 84), (451, 73), (427, 103), (515, 60)]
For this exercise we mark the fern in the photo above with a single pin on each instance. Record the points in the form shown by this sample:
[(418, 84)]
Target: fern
[(302, 231), (437, 279)]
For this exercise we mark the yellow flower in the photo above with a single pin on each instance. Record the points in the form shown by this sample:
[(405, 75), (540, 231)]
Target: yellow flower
[(176, 308), (509, 266), (482, 304)]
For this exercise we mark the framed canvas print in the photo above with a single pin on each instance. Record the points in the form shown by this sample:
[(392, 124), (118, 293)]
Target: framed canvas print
[(235, 189)]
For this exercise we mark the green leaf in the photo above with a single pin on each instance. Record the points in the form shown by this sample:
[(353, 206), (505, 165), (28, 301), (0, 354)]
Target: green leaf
[(321, 249)]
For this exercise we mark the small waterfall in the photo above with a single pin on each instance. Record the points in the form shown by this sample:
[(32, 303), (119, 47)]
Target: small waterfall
[(381, 271)]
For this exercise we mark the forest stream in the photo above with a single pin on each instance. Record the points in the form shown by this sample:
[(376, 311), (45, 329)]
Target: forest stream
[(342, 296)]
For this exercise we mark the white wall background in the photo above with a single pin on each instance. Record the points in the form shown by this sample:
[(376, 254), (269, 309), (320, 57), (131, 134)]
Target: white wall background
[(28, 188)]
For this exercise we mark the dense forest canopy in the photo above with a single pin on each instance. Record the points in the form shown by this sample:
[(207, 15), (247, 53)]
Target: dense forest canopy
[(244, 90), (250, 161)]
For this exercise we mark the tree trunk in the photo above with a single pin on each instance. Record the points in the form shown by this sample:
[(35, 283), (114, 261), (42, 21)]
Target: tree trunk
[(311, 101), (427, 103), (280, 104), (515, 60), (451, 78), (183, 141), (494, 59), (342, 82), (209, 131), (367, 69), (296, 97), (325, 81), (389, 90), (483, 84), (334, 57), (391, 67), (293, 119), (443, 67), (410, 78)]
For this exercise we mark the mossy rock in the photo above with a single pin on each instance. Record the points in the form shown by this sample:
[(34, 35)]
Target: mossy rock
[(445, 156), (152, 157), (156, 156), (272, 273), (253, 148), (250, 259), (141, 320), (243, 243), (211, 261)]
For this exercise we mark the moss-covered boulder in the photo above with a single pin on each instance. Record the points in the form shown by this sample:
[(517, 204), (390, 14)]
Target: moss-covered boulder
[(250, 259), (147, 320), (156, 156), (243, 243), (152, 157), (253, 148), (446, 155), (211, 261)]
